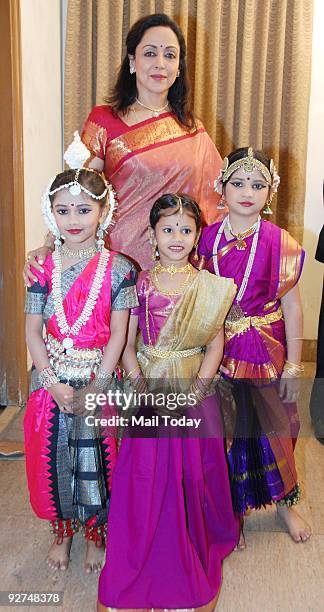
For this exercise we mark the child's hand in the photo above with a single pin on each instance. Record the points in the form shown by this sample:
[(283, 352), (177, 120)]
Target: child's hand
[(289, 388), (63, 395)]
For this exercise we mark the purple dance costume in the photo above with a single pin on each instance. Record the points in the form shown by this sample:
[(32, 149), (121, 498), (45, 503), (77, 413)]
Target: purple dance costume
[(171, 521), (261, 430)]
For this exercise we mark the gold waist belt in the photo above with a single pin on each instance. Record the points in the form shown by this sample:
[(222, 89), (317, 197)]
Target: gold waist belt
[(152, 352), (234, 328), (73, 365)]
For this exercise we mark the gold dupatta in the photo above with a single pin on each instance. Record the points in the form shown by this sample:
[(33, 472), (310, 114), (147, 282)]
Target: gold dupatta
[(194, 322)]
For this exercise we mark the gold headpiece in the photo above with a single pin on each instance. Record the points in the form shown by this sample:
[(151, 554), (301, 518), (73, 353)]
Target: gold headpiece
[(248, 164)]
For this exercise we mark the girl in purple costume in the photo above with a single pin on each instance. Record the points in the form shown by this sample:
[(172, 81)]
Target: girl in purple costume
[(263, 338), (171, 521)]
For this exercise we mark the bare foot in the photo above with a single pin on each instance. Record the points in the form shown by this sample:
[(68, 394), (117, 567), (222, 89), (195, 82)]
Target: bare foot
[(241, 545), (93, 558), (58, 557), (298, 529)]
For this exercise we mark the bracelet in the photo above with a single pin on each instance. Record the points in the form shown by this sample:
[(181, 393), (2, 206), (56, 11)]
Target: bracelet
[(47, 377), (288, 339), (102, 379), (132, 371), (298, 366), (293, 369)]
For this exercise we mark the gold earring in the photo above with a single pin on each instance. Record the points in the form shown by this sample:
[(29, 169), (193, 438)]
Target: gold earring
[(221, 203), (155, 251), (267, 209), (196, 256)]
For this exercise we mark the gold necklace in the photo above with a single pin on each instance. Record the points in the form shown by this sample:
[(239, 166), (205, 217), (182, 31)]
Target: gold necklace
[(155, 111), (147, 313), (240, 236), (172, 270), (78, 253), (171, 292)]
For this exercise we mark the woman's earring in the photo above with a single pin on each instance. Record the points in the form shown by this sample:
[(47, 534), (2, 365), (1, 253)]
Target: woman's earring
[(221, 204), (178, 73), (132, 69)]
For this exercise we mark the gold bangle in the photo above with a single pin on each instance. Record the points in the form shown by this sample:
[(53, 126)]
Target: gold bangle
[(132, 371), (298, 366), (289, 339)]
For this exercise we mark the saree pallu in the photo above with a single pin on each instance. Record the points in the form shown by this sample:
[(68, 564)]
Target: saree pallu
[(69, 464), (171, 521), (145, 161), (261, 430)]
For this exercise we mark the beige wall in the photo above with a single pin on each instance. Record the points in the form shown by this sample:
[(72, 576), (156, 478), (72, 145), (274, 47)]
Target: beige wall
[(311, 281), (41, 69), (41, 76)]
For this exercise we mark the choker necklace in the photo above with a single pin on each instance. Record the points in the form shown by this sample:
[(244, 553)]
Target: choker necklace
[(241, 245), (155, 111), (172, 270), (154, 277), (78, 253)]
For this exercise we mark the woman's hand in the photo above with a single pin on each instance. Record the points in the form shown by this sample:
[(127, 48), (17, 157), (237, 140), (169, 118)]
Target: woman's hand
[(34, 258), (63, 395)]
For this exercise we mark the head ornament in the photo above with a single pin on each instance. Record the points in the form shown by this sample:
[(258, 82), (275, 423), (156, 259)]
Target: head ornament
[(77, 153), (248, 164)]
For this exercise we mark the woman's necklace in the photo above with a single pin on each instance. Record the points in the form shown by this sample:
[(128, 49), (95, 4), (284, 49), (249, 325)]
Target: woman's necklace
[(90, 303), (250, 262), (155, 111), (189, 268), (79, 253), (241, 245)]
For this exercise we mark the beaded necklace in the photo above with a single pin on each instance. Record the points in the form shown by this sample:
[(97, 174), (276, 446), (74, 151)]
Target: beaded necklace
[(250, 262), (90, 303)]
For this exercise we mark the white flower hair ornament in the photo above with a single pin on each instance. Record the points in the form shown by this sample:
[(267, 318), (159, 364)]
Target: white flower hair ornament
[(77, 153), (275, 177)]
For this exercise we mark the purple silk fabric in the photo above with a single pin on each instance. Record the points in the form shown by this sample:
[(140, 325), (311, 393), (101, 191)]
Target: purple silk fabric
[(171, 521)]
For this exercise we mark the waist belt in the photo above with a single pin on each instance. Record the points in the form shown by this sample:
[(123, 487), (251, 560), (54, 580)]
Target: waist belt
[(235, 328), (74, 365), (156, 353)]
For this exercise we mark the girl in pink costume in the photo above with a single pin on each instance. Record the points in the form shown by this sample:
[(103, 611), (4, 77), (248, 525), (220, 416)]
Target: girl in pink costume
[(82, 297), (171, 521)]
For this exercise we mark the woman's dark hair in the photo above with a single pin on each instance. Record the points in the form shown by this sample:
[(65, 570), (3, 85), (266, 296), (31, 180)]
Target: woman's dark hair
[(90, 179), (171, 200), (124, 91), (243, 152)]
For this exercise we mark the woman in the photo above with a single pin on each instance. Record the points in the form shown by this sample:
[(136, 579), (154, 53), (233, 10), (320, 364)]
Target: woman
[(147, 140), (316, 401)]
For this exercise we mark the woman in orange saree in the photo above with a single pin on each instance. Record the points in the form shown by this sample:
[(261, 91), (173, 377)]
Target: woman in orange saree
[(146, 160), (147, 140)]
